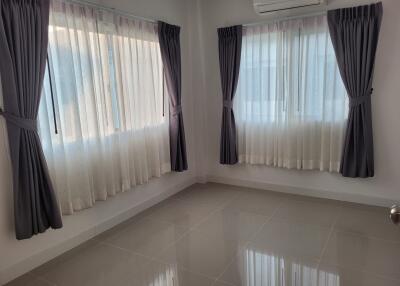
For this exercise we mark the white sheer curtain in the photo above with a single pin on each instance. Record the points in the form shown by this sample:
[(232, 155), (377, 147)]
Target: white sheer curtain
[(107, 81), (260, 268), (291, 105)]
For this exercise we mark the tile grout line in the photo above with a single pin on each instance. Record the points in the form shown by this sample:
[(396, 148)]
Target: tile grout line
[(192, 229), (46, 280), (350, 232), (39, 277), (188, 230), (182, 268), (331, 231), (365, 271), (154, 259), (217, 208), (224, 282), (351, 268), (125, 250), (36, 276), (281, 202)]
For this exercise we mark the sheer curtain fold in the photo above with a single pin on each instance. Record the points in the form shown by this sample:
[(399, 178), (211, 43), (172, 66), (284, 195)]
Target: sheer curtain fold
[(291, 104), (106, 72)]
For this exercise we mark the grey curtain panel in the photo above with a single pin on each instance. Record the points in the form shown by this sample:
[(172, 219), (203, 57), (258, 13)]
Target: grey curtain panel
[(23, 50), (354, 33), (230, 47), (169, 38)]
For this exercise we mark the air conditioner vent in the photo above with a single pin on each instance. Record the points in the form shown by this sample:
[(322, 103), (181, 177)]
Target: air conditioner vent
[(269, 6)]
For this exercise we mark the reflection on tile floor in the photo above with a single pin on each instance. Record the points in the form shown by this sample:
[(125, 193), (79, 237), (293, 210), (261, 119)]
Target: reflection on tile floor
[(219, 235)]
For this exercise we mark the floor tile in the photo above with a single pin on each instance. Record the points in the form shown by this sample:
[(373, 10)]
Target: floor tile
[(254, 266), (209, 194), (147, 237), (181, 213), (96, 264), (332, 275), (262, 269), (369, 221), (160, 274), (115, 230), (229, 224), (256, 201), (138, 217), (207, 254), (220, 283), (220, 235), (292, 239), (310, 211), (353, 251), (29, 280)]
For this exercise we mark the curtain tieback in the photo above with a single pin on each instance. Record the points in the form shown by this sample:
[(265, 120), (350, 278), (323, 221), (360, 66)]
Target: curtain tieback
[(24, 123), (228, 104), (360, 99), (176, 110)]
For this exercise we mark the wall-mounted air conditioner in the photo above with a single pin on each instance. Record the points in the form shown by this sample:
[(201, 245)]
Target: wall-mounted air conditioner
[(268, 6)]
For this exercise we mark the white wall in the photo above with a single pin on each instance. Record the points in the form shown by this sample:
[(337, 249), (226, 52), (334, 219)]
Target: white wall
[(17, 257), (384, 188)]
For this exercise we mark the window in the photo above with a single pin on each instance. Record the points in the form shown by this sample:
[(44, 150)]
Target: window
[(107, 81), (291, 105)]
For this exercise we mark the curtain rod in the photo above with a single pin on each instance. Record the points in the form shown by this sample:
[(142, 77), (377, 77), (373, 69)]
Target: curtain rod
[(277, 19), (110, 9)]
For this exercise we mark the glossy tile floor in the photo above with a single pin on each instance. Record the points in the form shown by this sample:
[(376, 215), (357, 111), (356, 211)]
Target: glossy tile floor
[(222, 235)]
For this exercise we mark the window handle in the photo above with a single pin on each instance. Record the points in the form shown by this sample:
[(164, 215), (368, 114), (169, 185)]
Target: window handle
[(52, 96), (298, 73), (163, 92)]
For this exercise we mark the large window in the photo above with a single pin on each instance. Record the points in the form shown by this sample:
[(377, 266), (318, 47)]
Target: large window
[(106, 77), (291, 105)]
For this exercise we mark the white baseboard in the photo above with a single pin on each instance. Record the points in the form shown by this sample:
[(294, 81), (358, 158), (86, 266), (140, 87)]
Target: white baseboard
[(339, 196), (46, 255)]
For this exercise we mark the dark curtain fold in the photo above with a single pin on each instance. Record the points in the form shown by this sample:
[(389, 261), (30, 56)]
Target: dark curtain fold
[(169, 38), (354, 33), (230, 47), (23, 50)]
